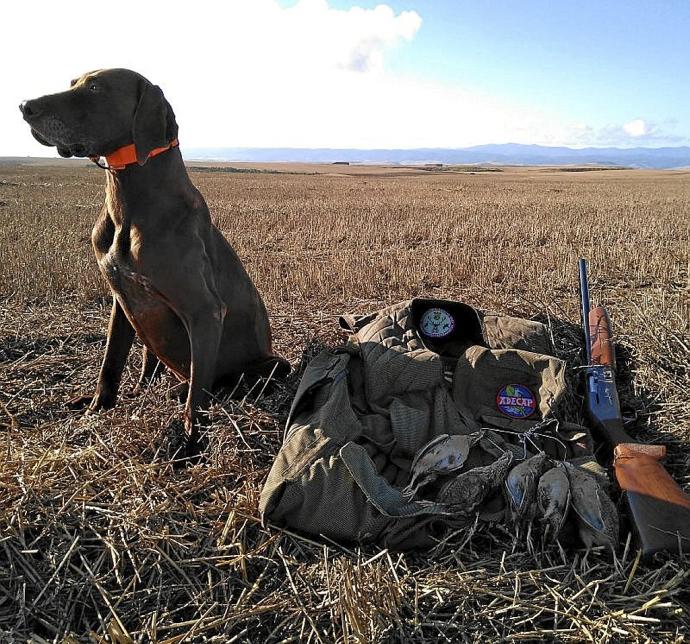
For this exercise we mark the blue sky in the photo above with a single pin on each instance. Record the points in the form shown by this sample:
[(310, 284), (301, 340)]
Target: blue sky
[(603, 63), (598, 62), (362, 74)]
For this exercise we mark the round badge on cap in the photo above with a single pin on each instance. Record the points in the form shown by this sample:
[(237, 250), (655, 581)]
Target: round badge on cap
[(516, 401), (437, 323)]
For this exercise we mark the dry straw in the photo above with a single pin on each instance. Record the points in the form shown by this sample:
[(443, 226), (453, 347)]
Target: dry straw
[(102, 539)]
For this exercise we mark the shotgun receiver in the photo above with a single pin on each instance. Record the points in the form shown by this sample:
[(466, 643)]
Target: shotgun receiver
[(659, 509)]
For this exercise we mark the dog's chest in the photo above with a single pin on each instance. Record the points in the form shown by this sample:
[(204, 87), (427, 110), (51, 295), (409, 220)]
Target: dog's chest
[(154, 322), (123, 278), (114, 246), (120, 268)]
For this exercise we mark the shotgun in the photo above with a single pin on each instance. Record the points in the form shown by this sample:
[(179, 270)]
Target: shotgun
[(658, 507)]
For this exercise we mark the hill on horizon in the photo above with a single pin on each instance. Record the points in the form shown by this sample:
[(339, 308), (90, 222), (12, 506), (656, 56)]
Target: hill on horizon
[(490, 154)]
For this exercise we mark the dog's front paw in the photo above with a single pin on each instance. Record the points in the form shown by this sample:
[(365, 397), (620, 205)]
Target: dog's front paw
[(102, 400), (79, 402)]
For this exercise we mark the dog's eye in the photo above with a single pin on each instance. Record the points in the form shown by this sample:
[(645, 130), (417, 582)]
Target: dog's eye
[(93, 87)]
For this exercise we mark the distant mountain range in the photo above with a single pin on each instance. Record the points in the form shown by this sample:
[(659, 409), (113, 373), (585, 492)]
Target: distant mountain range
[(498, 154)]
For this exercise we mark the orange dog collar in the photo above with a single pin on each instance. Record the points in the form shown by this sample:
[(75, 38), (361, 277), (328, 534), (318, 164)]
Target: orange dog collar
[(127, 155)]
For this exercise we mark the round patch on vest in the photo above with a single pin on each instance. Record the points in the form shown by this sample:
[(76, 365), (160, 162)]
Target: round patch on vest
[(437, 323), (516, 401)]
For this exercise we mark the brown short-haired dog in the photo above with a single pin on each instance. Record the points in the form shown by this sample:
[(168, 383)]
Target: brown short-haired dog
[(175, 280)]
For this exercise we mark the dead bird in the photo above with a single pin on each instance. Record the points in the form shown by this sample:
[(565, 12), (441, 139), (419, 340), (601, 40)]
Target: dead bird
[(521, 486), (442, 455), (595, 512), (469, 489), (553, 500)]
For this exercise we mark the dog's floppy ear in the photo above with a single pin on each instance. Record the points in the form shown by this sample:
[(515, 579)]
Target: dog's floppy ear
[(154, 122)]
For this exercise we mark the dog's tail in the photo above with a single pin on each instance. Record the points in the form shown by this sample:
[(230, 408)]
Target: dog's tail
[(273, 366)]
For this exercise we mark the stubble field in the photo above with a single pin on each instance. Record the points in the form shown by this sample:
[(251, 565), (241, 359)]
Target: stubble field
[(101, 539)]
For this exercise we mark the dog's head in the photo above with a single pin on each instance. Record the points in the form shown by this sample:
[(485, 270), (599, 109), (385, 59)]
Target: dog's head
[(101, 112)]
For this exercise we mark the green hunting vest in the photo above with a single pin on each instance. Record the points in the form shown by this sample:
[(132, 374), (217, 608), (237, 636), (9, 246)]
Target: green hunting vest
[(363, 411)]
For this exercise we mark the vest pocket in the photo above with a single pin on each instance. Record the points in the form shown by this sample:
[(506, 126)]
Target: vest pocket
[(508, 388)]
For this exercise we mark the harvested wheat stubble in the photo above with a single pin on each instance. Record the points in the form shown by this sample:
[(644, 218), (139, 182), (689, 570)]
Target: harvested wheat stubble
[(101, 539)]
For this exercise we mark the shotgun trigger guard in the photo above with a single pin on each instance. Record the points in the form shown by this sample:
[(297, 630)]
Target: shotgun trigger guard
[(603, 397)]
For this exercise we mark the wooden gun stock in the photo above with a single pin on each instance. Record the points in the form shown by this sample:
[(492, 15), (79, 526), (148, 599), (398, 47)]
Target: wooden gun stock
[(601, 338), (658, 506)]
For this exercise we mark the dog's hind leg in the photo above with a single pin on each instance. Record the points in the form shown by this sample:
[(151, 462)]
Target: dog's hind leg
[(204, 339)]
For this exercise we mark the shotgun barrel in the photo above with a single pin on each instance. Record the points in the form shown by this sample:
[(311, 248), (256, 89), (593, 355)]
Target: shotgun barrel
[(659, 509), (584, 301)]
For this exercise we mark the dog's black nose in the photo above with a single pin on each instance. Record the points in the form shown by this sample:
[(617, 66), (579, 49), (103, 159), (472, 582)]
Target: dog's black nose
[(29, 109)]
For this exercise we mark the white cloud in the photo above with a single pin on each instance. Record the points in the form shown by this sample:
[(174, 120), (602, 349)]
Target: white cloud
[(636, 133), (638, 128), (354, 40)]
